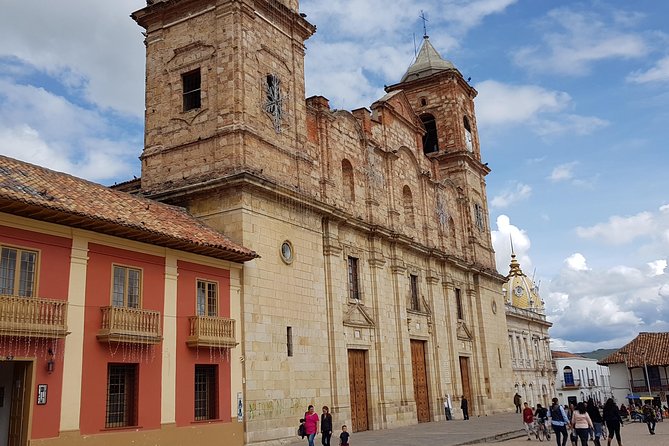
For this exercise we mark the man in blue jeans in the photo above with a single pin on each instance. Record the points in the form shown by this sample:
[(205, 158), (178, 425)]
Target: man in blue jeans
[(559, 421)]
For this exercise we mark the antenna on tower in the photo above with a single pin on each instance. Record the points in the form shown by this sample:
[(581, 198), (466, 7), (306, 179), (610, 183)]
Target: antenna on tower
[(424, 19), (415, 49)]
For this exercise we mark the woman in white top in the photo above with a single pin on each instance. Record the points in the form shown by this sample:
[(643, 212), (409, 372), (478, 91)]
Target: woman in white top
[(581, 422)]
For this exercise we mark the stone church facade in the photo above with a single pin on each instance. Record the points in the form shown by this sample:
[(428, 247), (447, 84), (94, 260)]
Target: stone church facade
[(376, 292)]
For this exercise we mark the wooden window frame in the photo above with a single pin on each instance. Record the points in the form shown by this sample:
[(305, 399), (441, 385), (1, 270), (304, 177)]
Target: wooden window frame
[(16, 291), (205, 400), (122, 414), (191, 94), (125, 286), (217, 305), (353, 268), (414, 294), (458, 304), (479, 219)]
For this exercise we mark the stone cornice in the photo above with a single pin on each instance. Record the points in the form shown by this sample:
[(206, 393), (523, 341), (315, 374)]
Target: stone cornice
[(268, 186)]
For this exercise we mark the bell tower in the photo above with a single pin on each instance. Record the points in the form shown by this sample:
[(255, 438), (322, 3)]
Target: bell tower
[(224, 88), (444, 102)]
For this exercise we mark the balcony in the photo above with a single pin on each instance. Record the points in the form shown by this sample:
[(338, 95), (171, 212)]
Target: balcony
[(132, 325), (656, 385), (208, 331), (572, 384), (33, 317)]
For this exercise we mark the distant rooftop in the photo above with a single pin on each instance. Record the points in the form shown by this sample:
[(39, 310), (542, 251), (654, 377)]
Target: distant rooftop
[(651, 349)]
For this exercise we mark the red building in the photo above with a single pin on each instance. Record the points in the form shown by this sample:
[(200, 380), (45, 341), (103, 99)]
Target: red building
[(117, 317)]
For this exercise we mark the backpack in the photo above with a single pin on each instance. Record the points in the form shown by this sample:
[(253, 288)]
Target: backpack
[(556, 413), (302, 430)]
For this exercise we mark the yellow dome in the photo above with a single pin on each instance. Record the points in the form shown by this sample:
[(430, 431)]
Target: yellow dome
[(520, 291)]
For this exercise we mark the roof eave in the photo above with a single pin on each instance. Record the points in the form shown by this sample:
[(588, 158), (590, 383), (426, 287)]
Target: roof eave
[(50, 215)]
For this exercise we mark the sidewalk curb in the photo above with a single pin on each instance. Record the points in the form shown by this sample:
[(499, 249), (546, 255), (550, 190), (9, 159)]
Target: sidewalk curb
[(496, 438)]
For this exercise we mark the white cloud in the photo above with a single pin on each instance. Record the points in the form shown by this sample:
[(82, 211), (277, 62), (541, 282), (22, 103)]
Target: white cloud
[(657, 267), (343, 66), (576, 262), (563, 172), (658, 73), (573, 41), (620, 230), (509, 196), (595, 308), (470, 14), (502, 104), (574, 124), (540, 109), (42, 128), (109, 76), (502, 237)]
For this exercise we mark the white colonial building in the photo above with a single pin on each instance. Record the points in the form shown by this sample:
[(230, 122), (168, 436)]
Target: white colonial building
[(529, 342), (579, 379)]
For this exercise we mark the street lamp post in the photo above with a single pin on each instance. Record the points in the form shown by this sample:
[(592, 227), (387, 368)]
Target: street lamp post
[(627, 371), (645, 366)]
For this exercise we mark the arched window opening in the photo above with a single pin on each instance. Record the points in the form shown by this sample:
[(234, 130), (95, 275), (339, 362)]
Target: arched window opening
[(408, 206), (430, 141), (468, 134), (348, 184), (568, 376)]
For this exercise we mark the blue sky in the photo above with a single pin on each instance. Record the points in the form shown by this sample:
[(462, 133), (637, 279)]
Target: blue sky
[(572, 112)]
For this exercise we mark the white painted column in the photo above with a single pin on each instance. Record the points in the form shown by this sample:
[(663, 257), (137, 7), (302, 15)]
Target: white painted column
[(169, 368), (73, 359), (237, 375)]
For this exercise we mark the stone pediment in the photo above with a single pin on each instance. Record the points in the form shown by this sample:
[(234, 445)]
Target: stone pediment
[(398, 102), (463, 332), (357, 316)]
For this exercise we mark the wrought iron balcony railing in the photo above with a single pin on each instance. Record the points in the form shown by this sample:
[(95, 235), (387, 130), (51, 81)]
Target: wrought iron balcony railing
[(208, 331), (33, 317), (133, 325)]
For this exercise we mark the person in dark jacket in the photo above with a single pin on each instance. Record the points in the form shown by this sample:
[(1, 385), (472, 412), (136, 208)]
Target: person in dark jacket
[(613, 421), (326, 426), (649, 417), (464, 405), (596, 419)]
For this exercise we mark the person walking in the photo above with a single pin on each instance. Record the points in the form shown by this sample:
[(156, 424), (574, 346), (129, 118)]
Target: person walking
[(464, 405), (326, 426), (311, 424), (611, 417), (541, 414), (528, 420), (559, 422), (581, 423), (650, 417), (516, 402), (596, 417), (343, 437)]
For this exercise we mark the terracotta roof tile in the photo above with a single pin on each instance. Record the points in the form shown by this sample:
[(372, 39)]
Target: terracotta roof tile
[(556, 354), (649, 348), (39, 193)]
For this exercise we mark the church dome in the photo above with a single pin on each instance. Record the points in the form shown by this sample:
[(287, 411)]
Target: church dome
[(521, 291), (427, 63)]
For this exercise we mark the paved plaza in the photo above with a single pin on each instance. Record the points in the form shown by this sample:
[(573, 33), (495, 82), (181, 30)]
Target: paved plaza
[(503, 429)]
